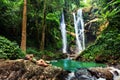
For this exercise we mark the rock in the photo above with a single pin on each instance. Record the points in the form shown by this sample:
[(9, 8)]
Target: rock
[(101, 73), (27, 70), (41, 62), (11, 70), (96, 73), (109, 73), (84, 74), (100, 59), (87, 9)]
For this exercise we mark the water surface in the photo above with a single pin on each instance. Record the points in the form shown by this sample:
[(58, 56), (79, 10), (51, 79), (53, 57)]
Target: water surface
[(73, 65)]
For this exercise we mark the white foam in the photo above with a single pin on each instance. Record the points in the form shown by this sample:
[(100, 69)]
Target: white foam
[(115, 77), (70, 76), (101, 79)]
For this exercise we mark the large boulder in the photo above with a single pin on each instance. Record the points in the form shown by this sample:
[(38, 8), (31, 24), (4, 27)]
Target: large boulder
[(27, 70)]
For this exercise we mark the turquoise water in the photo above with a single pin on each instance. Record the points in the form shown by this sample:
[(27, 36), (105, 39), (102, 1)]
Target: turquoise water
[(73, 65)]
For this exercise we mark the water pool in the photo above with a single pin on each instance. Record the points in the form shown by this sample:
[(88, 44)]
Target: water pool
[(72, 65)]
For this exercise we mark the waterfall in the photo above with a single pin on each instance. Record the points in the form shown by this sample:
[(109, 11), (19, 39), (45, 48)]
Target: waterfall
[(79, 31), (63, 33)]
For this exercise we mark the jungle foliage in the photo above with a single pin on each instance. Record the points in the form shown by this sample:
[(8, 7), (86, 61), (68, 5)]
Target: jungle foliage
[(11, 21), (9, 50), (107, 42), (107, 45)]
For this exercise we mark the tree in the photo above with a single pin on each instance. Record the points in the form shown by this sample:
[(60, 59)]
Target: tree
[(24, 22), (10, 19), (43, 27)]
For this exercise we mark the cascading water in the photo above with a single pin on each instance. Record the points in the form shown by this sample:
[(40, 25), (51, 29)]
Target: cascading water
[(63, 32), (79, 31), (115, 72)]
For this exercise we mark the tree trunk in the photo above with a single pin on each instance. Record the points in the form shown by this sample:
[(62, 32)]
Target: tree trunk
[(38, 31), (37, 24), (24, 22), (43, 27)]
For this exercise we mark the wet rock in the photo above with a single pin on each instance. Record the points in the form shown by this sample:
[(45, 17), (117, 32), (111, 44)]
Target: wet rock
[(81, 74), (84, 74), (97, 73), (100, 72)]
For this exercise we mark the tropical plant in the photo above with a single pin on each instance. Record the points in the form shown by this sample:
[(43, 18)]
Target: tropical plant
[(9, 50), (107, 42), (10, 14), (107, 9)]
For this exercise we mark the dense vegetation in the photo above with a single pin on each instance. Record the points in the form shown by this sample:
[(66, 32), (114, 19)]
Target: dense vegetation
[(107, 45), (43, 33), (42, 17), (10, 50)]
